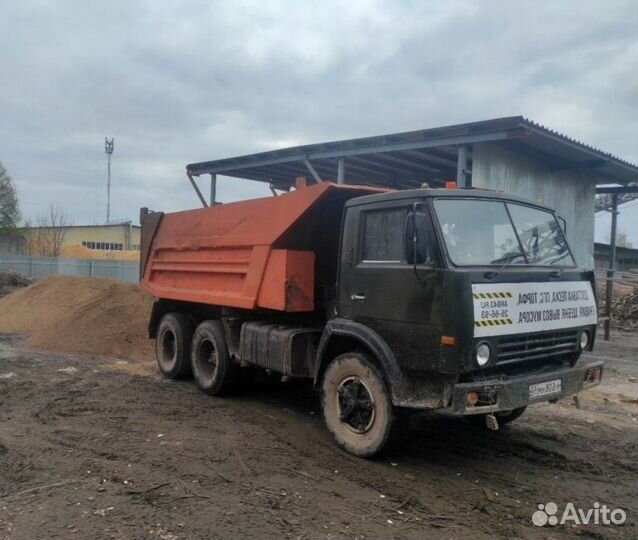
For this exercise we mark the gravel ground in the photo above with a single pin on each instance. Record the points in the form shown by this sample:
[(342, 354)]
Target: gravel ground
[(101, 448)]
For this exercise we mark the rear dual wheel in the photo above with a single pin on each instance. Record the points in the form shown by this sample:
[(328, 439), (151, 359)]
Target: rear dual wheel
[(181, 349), (213, 370), (172, 345)]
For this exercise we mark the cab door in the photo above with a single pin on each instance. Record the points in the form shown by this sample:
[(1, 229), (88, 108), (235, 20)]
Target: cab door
[(378, 287)]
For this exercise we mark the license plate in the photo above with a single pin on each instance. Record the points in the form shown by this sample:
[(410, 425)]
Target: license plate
[(545, 388)]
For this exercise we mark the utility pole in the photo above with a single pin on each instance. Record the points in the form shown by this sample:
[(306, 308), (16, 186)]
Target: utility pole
[(108, 148)]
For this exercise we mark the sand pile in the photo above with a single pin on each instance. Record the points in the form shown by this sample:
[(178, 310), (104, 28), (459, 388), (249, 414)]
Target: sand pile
[(94, 316)]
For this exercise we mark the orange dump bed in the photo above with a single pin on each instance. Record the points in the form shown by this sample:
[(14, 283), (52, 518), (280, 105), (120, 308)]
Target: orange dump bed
[(272, 253)]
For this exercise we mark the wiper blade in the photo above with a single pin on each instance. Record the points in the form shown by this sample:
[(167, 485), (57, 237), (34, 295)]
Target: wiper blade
[(554, 259), (506, 259)]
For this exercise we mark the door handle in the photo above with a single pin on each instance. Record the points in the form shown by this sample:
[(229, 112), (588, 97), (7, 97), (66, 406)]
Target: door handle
[(359, 297)]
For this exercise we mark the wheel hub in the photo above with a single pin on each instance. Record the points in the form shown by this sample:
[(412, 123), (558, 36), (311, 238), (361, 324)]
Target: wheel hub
[(207, 356), (168, 348), (356, 404)]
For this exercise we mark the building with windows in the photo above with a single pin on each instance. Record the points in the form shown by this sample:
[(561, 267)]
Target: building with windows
[(115, 240), (626, 257)]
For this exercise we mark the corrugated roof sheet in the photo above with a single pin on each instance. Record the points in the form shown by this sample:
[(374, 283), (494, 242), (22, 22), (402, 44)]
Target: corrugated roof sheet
[(407, 159)]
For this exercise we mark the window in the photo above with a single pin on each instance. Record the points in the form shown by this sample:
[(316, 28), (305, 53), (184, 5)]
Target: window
[(104, 246), (541, 236), (383, 235), (480, 232)]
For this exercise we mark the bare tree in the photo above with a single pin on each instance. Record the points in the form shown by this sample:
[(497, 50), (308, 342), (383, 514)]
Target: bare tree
[(46, 238)]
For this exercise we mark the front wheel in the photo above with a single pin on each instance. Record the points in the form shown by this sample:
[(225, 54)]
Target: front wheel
[(356, 405)]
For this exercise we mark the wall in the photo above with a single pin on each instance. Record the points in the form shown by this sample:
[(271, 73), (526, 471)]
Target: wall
[(118, 234), (570, 193), (112, 234), (81, 252)]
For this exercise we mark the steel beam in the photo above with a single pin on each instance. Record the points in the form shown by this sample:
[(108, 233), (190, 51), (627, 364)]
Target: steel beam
[(354, 172), (616, 190), (196, 188), (461, 167), (314, 173), (367, 172), (341, 171), (612, 263), (371, 167), (416, 163), (213, 188), (433, 158), (387, 165), (294, 169)]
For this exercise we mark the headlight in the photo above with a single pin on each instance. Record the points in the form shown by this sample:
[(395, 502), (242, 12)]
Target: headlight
[(584, 340), (483, 353)]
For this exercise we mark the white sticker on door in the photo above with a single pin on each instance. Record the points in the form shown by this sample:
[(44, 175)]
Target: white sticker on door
[(517, 308)]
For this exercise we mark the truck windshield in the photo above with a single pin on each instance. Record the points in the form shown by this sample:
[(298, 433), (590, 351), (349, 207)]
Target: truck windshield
[(484, 232)]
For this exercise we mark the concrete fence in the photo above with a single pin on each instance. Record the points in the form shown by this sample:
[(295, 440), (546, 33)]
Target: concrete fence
[(39, 267)]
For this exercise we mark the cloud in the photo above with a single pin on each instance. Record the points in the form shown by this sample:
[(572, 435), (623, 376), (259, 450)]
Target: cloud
[(179, 82)]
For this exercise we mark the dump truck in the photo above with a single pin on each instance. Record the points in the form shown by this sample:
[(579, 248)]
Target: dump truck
[(460, 300)]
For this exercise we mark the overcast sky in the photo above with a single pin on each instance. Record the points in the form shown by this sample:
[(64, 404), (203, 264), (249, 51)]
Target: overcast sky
[(179, 82)]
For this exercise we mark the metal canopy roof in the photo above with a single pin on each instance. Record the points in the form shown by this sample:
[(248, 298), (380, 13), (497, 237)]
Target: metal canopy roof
[(406, 160)]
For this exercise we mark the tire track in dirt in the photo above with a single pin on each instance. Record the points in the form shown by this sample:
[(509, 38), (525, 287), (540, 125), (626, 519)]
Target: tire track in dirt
[(120, 436)]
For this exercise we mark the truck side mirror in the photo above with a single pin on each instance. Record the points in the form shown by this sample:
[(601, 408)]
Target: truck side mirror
[(417, 238)]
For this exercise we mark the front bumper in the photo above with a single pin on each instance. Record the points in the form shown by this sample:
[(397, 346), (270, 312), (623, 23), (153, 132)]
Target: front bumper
[(514, 392)]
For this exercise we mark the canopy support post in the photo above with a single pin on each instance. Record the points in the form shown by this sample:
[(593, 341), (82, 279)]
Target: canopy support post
[(312, 170), (341, 171), (199, 193), (213, 188), (609, 290)]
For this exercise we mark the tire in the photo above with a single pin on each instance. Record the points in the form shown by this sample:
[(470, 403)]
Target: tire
[(213, 370), (172, 345), (356, 404)]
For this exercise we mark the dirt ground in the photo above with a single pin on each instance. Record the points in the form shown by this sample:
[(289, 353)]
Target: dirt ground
[(106, 449)]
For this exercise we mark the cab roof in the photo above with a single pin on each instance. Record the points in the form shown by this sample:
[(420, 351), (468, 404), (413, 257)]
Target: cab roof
[(471, 193)]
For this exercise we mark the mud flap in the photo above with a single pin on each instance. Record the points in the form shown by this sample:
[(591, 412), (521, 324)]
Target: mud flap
[(491, 422)]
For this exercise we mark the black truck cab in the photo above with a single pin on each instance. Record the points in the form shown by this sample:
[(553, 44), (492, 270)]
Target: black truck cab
[(467, 300)]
